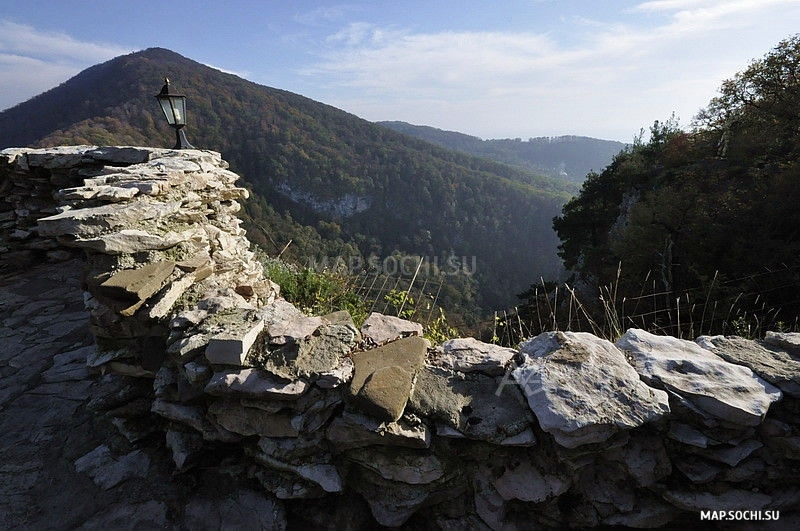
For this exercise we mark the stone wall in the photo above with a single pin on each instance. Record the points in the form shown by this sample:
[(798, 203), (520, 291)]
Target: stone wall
[(351, 425)]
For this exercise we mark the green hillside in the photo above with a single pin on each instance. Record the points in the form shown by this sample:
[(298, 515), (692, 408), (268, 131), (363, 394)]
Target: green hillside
[(329, 182), (693, 232)]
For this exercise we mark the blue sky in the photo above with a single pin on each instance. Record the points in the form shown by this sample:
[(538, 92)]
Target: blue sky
[(491, 69)]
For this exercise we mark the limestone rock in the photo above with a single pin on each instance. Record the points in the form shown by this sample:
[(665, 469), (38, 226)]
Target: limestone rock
[(313, 356), (644, 457), (294, 329), (323, 474), (786, 340), (339, 375), (353, 430), (133, 241), (395, 364), (731, 455), (399, 465), (379, 328), (93, 221), (582, 390), (471, 355), (185, 447), (254, 383), (231, 346), (248, 421), (323, 351), (137, 285), (769, 361), (385, 392), (476, 406), (685, 434), (720, 389)]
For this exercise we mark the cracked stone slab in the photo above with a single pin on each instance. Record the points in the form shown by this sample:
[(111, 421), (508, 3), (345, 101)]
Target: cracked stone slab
[(471, 355), (771, 359), (138, 284), (730, 392), (582, 389)]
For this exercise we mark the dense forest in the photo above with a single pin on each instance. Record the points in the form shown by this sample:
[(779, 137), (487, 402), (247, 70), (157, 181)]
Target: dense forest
[(326, 183), (566, 157), (690, 232)]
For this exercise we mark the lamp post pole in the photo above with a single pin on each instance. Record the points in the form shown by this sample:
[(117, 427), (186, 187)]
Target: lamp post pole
[(174, 107)]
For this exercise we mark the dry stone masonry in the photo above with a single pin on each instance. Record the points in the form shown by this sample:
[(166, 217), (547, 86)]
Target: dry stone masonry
[(344, 425)]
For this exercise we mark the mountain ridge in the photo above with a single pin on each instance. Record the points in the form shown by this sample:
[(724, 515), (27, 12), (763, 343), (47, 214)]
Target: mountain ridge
[(569, 157), (424, 200)]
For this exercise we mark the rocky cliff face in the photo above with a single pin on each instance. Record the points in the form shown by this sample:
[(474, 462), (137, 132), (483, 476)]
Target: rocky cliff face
[(343, 425)]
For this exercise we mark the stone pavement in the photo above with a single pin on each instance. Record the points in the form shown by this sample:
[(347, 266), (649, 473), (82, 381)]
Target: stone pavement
[(62, 466)]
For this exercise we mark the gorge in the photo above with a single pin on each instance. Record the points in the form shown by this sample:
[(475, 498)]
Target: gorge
[(198, 369)]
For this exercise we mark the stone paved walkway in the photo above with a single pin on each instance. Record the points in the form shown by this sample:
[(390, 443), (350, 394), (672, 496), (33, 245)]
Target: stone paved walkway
[(64, 467)]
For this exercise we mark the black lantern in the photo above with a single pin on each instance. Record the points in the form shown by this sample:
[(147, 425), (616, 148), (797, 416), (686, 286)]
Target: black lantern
[(174, 107)]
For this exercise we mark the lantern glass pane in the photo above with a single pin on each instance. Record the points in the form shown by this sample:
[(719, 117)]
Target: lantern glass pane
[(179, 109), (166, 106)]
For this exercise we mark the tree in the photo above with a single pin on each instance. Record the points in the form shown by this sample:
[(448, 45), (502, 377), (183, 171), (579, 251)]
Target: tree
[(708, 216), (758, 111)]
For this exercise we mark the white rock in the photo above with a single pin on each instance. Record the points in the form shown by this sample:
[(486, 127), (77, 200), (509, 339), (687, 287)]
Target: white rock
[(470, 355), (381, 328), (231, 346), (723, 390), (582, 390)]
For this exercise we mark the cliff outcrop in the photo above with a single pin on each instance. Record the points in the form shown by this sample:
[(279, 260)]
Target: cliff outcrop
[(344, 424)]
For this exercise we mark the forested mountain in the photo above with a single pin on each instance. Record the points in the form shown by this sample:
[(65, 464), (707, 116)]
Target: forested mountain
[(567, 157), (329, 182), (698, 232)]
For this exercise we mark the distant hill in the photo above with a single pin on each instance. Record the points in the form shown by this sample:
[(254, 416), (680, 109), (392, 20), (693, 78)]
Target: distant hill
[(567, 157), (331, 183)]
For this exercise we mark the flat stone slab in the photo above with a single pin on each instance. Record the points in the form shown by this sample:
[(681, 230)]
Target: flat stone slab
[(731, 500), (93, 221), (385, 392), (729, 392), (354, 430), (254, 383), (527, 483), (787, 340), (230, 347), (133, 241), (379, 328), (582, 390), (398, 465), (138, 284), (768, 360), (395, 363), (471, 355), (247, 421)]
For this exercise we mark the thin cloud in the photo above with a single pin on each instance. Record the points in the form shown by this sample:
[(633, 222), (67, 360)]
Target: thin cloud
[(532, 82), (26, 40), (35, 61)]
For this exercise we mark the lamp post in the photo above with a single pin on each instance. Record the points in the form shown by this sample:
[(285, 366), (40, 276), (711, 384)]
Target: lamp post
[(174, 107)]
